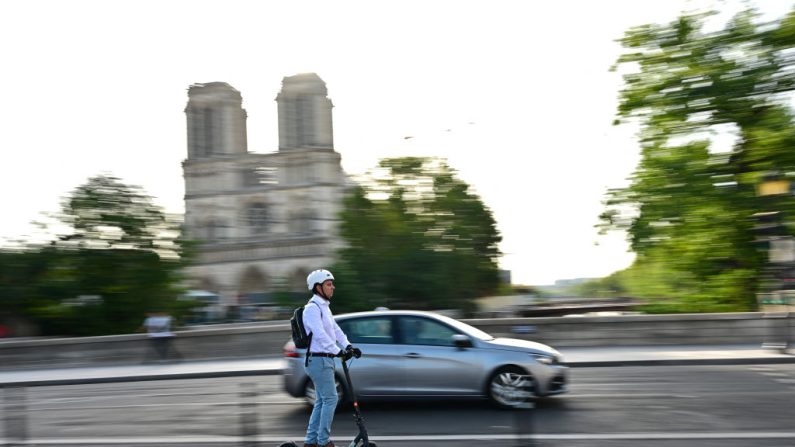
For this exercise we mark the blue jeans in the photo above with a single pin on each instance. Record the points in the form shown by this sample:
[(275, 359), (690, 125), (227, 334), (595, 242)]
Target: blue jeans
[(321, 371)]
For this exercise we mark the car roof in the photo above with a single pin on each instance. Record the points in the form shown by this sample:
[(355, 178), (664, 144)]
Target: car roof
[(460, 325), (378, 313)]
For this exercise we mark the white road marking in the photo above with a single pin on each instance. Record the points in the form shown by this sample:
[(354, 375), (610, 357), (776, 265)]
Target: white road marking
[(632, 395), (176, 404), (466, 437)]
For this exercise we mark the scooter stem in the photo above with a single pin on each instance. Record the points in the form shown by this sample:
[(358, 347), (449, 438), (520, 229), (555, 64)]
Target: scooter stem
[(362, 436)]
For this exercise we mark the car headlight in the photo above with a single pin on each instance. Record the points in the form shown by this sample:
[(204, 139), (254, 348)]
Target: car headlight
[(545, 359)]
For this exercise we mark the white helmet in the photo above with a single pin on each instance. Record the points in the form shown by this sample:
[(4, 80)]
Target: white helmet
[(317, 277)]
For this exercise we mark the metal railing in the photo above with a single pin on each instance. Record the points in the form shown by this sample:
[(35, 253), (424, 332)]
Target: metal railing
[(15, 400)]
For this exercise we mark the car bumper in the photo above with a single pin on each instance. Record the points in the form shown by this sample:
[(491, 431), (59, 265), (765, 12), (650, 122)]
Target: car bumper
[(550, 379), (294, 377), (559, 381)]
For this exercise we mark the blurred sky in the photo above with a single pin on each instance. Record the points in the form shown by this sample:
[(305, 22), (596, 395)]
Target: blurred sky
[(515, 94)]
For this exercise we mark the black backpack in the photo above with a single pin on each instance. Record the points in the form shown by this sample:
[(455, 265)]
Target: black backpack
[(300, 337)]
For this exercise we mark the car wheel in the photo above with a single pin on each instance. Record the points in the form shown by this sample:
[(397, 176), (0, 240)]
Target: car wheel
[(511, 387), (310, 395)]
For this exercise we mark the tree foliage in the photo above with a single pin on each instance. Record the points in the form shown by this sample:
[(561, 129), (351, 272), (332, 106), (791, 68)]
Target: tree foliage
[(688, 209), (416, 238), (106, 213), (120, 259)]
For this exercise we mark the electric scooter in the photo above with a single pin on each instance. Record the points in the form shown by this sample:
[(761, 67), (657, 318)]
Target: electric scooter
[(361, 440)]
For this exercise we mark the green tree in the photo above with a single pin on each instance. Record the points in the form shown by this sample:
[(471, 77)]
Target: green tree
[(688, 208), (416, 238), (121, 258), (27, 276), (106, 213)]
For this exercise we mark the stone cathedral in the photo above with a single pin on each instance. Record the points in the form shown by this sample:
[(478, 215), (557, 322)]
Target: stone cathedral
[(264, 220)]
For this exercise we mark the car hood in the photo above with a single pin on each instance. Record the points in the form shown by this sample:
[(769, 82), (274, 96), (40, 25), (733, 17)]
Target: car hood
[(515, 344)]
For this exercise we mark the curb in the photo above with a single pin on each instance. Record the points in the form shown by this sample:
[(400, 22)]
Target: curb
[(683, 362), (142, 378), (277, 371)]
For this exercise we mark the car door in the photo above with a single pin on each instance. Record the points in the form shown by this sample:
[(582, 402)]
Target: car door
[(432, 364), (378, 371)]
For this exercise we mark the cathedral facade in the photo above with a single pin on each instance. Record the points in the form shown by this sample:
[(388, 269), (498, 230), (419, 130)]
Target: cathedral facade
[(263, 220)]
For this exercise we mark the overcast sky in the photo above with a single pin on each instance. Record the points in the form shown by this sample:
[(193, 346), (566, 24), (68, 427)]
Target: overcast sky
[(515, 94)]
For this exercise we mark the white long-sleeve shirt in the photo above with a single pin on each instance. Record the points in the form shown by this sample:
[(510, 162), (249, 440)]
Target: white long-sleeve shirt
[(326, 334)]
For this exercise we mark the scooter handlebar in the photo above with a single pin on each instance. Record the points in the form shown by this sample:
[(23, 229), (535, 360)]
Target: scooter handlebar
[(350, 351)]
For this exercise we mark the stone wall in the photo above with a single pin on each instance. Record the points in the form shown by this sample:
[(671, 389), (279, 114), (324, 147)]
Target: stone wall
[(267, 339)]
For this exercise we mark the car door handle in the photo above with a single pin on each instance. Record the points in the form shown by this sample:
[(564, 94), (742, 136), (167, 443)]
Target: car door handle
[(412, 355)]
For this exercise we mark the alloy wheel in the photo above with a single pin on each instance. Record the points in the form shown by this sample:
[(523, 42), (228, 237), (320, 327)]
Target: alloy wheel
[(511, 388)]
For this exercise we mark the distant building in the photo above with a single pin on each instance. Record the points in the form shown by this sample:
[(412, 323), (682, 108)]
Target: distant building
[(563, 287), (572, 281), (264, 220)]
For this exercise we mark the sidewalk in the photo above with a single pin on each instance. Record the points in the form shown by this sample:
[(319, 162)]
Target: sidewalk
[(574, 357), (675, 355)]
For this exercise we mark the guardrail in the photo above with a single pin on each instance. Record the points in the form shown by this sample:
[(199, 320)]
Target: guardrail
[(17, 428), (263, 340)]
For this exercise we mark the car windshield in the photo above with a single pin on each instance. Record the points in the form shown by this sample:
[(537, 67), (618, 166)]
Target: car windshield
[(463, 327)]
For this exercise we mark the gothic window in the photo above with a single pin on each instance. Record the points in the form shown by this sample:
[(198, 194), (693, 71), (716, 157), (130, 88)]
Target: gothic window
[(202, 129), (305, 121), (193, 133), (257, 217), (303, 222), (214, 230), (206, 139), (211, 231)]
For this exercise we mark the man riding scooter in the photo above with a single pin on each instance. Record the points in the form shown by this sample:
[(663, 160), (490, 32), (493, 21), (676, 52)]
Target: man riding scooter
[(326, 344)]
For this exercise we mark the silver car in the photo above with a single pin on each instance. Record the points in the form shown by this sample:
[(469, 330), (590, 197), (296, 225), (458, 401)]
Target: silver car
[(413, 355)]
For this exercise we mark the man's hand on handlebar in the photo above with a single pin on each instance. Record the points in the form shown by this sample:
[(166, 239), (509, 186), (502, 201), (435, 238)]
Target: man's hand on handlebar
[(350, 351)]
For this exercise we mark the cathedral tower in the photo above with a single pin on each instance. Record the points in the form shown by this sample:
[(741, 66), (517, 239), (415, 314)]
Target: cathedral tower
[(216, 121), (304, 113), (263, 220)]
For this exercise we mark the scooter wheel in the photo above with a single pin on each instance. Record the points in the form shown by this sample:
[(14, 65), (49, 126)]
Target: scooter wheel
[(372, 444), (288, 444)]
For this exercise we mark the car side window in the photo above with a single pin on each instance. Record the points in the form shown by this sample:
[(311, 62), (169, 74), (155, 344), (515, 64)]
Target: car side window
[(376, 330), (424, 331)]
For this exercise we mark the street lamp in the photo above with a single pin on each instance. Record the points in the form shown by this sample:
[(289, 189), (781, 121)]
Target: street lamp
[(778, 280)]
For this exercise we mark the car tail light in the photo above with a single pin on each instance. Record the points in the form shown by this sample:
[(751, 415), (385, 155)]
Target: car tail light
[(290, 351)]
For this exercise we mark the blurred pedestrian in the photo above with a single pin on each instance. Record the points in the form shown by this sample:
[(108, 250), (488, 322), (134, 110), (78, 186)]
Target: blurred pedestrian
[(326, 343), (158, 326)]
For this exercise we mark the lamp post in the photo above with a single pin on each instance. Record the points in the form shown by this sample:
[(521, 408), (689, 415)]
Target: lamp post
[(775, 293)]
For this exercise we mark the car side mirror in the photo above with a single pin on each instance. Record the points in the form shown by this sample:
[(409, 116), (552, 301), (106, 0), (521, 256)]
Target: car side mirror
[(461, 341)]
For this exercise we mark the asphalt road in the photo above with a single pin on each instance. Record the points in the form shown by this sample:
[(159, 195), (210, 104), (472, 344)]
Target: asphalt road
[(656, 406)]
